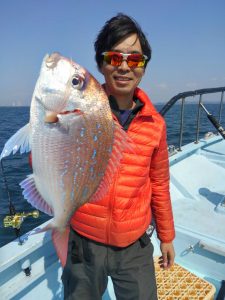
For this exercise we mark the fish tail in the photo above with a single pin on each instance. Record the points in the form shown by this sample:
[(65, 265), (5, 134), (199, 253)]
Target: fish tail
[(60, 240), (49, 226)]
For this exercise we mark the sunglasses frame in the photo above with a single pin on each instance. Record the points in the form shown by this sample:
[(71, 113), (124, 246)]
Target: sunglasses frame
[(125, 57)]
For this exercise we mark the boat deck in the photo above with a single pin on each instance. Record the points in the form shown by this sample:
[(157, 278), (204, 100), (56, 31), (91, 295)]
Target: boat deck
[(198, 193), (194, 205)]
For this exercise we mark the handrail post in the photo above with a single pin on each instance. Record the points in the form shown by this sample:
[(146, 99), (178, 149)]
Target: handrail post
[(198, 119), (181, 124), (221, 105)]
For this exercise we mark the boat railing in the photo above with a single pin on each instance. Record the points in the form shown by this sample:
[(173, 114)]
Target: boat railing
[(184, 97)]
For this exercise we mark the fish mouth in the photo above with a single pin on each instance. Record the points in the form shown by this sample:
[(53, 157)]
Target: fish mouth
[(75, 111), (53, 117)]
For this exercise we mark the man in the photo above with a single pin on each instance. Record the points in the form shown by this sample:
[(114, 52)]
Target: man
[(108, 237)]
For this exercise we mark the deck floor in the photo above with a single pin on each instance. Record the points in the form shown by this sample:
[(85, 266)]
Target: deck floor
[(197, 191)]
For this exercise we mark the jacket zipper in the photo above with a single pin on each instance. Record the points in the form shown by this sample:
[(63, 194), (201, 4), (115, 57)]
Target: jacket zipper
[(111, 206), (111, 202)]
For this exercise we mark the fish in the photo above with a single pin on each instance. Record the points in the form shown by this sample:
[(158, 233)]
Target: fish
[(75, 141)]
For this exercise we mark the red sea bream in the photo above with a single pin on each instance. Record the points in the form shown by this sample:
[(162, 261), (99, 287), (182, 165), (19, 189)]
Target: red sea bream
[(75, 155)]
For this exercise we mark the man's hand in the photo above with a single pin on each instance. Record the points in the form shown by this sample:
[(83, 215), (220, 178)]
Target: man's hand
[(168, 254)]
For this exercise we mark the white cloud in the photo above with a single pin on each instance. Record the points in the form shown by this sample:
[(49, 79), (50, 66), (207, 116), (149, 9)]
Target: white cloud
[(191, 85), (217, 79), (162, 85)]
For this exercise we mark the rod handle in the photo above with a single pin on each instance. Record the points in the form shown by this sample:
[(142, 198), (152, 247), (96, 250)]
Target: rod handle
[(217, 125)]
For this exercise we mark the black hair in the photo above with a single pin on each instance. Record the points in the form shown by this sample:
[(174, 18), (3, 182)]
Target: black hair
[(116, 29)]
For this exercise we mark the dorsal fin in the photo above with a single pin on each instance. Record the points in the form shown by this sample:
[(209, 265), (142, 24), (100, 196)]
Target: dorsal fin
[(122, 143)]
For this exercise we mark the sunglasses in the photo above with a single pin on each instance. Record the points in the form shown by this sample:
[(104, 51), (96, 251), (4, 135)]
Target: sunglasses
[(133, 60)]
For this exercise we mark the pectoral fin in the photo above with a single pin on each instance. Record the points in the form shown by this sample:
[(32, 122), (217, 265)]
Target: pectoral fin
[(19, 141)]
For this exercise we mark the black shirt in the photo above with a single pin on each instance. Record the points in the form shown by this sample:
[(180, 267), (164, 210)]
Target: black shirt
[(124, 116)]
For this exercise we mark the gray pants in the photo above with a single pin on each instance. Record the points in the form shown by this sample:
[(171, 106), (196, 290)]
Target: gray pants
[(89, 264)]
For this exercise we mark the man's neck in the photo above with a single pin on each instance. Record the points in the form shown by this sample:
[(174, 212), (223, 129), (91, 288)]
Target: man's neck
[(124, 102)]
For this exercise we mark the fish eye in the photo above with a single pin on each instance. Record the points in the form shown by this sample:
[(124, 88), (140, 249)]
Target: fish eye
[(77, 82)]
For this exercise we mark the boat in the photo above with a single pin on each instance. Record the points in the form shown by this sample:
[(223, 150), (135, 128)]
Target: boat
[(197, 172), (29, 267)]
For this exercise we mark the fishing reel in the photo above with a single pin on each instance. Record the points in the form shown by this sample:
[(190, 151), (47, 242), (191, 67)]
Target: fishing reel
[(17, 219)]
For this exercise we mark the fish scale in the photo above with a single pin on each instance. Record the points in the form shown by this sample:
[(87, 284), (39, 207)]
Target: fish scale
[(75, 157)]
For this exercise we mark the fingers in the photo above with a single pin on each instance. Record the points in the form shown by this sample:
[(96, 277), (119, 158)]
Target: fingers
[(163, 261), (170, 261), (167, 259)]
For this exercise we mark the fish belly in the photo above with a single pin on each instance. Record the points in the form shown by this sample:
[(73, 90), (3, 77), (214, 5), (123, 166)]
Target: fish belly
[(69, 163)]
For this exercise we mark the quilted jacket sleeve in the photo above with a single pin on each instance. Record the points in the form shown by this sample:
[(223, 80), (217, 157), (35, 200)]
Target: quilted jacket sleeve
[(161, 202)]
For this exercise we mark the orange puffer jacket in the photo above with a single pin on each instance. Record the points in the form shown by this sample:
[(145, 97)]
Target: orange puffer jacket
[(140, 189)]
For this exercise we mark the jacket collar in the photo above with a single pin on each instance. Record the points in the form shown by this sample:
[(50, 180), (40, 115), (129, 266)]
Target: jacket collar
[(114, 106), (148, 108), (143, 103)]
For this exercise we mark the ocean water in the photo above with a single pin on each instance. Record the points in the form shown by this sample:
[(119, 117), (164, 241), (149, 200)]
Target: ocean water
[(16, 167)]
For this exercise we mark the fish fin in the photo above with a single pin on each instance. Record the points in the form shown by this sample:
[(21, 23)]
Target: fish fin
[(60, 241), (32, 195), (38, 230), (20, 140), (122, 143)]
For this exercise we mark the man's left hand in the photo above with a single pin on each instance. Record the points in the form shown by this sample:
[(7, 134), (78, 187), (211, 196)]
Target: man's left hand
[(168, 255)]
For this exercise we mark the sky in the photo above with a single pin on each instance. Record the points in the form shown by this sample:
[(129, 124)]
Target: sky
[(187, 38)]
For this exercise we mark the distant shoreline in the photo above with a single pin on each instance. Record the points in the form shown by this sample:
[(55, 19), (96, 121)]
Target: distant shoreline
[(158, 103), (14, 106)]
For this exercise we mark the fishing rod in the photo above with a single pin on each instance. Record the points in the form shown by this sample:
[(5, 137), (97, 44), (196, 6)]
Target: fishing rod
[(214, 121), (15, 219), (12, 209)]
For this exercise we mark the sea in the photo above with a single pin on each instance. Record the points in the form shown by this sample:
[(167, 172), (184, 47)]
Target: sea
[(16, 167)]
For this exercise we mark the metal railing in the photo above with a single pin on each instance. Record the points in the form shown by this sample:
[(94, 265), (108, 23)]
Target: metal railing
[(183, 97)]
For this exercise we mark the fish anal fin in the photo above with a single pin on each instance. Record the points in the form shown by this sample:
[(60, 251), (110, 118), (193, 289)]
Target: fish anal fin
[(32, 195)]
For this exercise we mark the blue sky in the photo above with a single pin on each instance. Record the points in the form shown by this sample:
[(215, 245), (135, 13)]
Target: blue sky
[(187, 38)]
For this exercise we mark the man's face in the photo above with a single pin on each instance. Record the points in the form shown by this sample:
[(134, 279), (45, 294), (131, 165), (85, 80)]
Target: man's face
[(122, 80)]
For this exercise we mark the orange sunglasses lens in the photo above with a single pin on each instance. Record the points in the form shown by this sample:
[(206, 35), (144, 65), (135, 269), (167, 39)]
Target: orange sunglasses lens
[(133, 60)]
